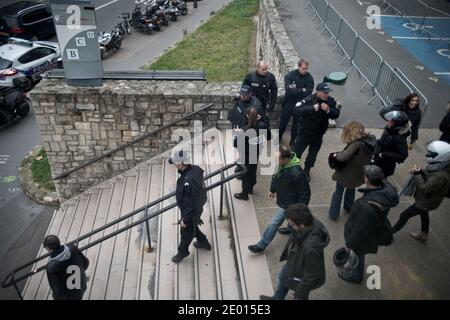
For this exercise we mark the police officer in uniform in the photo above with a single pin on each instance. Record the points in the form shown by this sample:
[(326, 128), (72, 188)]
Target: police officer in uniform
[(264, 86), (298, 84), (314, 111), (237, 116), (190, 196)]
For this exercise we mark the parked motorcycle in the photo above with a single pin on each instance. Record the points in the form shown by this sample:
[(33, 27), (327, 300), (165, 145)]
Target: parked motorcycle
[(181, 6), (169, 9), (141, 22), (152, 11), (110, 41), (14, 102), (124, 26)]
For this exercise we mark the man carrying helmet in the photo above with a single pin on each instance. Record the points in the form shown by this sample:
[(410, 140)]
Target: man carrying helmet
[(190, 196), (432, 185), (367, 218), (392, 147)]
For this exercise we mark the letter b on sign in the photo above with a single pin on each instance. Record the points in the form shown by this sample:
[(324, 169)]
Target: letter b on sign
[(74, 280), (374, 280)]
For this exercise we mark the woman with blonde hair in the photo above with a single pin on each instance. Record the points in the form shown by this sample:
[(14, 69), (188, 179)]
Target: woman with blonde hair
[(360, 146)]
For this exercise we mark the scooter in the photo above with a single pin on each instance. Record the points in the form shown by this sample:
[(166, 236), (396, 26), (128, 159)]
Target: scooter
[(142, 23), (14, 102), (110, 41), (181, 5)]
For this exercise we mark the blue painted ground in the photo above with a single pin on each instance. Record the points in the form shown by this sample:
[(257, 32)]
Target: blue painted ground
[(424, 50)]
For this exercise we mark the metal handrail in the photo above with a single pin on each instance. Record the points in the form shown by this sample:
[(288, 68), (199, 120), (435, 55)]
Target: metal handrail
[(145, 136), (9, 280)]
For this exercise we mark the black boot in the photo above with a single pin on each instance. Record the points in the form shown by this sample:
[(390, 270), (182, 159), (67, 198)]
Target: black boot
[(241, 196), (178, 257)]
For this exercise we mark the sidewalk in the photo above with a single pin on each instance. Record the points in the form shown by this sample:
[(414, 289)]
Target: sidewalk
[(409, 270)]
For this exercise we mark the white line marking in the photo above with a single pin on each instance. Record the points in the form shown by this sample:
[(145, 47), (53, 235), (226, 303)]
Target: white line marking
[(442, 73), (420, 38), (105, 5), (416, 17)]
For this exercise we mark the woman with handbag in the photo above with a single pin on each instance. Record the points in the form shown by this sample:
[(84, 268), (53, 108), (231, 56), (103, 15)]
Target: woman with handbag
[(349, 166)]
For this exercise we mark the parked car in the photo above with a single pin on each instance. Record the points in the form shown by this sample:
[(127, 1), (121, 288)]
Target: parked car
[(24, 58), (27, 19)]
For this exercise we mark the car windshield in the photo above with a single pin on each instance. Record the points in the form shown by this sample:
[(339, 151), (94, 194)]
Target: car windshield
[(5, 64)]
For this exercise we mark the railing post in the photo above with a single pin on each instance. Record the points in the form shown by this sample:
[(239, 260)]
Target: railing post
[(16, 288), (221, 195), (149, 239)]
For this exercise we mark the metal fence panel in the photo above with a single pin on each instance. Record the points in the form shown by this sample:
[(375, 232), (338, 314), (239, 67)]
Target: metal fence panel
[(367, 61), (334, 21), (390, 85), (322, 9), (347, 39)]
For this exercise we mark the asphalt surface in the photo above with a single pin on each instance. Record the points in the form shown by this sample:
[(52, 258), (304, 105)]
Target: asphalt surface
[(23, 222)]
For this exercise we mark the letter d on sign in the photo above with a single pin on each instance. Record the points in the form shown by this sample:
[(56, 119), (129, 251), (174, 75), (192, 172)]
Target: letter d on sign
[(74, 280), (374, 280), (374, 18)]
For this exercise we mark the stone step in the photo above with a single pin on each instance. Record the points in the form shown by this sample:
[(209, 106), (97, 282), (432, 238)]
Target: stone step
[(253, 269)]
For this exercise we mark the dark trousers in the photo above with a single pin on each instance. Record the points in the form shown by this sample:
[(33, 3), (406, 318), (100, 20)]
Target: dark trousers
[(409, 213), (249, 179), (414, 133), (314, 144), (287, 112), (187, 235)]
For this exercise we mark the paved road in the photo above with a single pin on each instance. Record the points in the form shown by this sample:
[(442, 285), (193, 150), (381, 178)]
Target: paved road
[(22, 222)]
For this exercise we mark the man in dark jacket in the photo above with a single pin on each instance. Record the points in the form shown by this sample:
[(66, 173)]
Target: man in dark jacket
[(290, 186), (298, 84), (65, 270), (264, 86), (305, 267), (190, 196), (367, 219), (392, 147), (314, 112)]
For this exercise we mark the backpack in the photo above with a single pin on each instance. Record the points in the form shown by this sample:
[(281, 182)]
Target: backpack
[(385, 233)]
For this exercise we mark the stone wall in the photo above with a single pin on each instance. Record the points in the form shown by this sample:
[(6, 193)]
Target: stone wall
[(78, 124), (273, 44)]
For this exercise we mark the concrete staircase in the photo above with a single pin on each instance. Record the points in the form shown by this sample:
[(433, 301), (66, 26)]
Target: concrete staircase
[(122, 267)]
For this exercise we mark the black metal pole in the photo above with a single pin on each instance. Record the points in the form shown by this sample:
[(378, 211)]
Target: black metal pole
[(149, 238), (16, 288), (221, 195), (195, 4)]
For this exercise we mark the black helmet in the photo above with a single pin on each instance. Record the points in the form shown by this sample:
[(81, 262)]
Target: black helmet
[(399, 118), (345, 259), (340, 257)]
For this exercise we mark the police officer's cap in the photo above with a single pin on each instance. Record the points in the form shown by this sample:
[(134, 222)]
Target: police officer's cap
[(323, 87), (245, 90)]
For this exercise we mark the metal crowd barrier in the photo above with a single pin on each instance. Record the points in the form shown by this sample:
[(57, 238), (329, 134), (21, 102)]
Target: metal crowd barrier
[(386, 83), (367, 61), (334, 22), (390, 85), (347, 40)]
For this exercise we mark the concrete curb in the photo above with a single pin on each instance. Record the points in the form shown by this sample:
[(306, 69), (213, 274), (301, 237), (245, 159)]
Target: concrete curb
[(31, 189)]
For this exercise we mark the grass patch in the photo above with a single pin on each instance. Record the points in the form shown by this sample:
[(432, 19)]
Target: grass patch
[(40, 169), (221, 46)]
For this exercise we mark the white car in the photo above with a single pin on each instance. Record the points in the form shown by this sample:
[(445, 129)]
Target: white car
[(23, 58)]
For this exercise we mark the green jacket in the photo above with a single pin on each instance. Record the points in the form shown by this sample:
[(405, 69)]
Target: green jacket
[(432, 185)]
